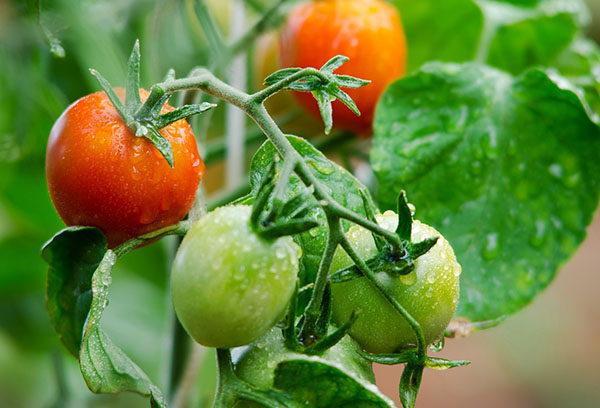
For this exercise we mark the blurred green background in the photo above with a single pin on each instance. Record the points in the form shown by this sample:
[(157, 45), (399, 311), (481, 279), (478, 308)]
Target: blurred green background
[(547, 356)]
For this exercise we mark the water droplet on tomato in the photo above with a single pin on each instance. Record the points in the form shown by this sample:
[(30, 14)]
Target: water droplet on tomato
[(437, 345), (135, 173), (408, 279), (149, 214)]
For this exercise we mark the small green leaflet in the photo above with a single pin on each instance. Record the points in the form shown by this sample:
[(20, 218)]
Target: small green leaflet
[(505, 168), (79, 275)]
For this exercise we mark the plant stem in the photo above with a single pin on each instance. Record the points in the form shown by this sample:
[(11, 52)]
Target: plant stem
[(313, 309)]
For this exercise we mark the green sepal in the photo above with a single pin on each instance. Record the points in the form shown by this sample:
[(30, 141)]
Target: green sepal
[(182, 113), (160, 142), (391, 358), (404, 227), (343, 97), (410, 382), (420, 248), (132, 90), (369, 207), (347, 81), (334, 63), (324, 101), (444, 364), (332, 339), (112, 96), (280, 75)]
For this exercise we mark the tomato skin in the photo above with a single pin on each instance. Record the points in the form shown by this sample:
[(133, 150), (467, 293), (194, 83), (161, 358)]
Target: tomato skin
[(100, 174), (228, 285), (369, 32), (256, 364), (429, 293)]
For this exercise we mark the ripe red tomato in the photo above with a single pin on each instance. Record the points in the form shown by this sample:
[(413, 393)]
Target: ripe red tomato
[(369, 32), (100, 174)]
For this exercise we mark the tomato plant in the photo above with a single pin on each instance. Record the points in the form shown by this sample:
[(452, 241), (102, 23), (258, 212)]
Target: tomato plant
[(359, 29), (229, 285), (429, 293), (101, 174), (294, 262)]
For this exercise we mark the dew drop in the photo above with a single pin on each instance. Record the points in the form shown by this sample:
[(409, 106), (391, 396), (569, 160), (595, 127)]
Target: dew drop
[(322, 167), (437, 345), (280, 253), (135, 173), (491, 249), (149, 214), (537, 239), (431, 277), (408, 279)]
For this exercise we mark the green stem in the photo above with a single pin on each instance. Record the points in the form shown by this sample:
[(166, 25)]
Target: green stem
[(369, 274), (313, 309)]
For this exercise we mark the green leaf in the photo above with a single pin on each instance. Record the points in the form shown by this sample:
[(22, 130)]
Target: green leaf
[(72, 255), (580, 64), (112, 96), (343, 187), (505, 168), (322, 384), (446, 30), (530, 42), (77, 294), (512, 35)]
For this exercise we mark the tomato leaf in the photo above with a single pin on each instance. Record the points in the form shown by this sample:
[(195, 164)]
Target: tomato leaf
[(182, 113), (343, 187), (77, 294), (317, 383), (512, 35), (73, 255), (506, 168)]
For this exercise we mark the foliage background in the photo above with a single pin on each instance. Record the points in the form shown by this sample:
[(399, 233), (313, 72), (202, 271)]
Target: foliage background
[(546, 356)]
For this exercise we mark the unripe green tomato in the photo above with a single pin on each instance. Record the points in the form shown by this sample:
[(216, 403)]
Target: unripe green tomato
[(429, 293), (256, 364), (229, 286)]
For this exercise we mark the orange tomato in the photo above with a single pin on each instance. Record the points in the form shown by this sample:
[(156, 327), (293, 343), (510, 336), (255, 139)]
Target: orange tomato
[(369, 32), (100, 174)]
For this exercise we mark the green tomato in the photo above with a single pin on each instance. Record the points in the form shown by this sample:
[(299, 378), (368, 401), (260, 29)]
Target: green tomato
[(229, 286), (429, 293), (256, 364)]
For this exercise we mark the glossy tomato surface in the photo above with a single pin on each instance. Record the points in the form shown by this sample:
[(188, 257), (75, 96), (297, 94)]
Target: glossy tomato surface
[(100, 174), (229, 286), (429, 293), (369, 32)]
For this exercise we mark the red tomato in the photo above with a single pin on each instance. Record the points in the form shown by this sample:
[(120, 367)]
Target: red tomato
[(369, 32), (100, 174)]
